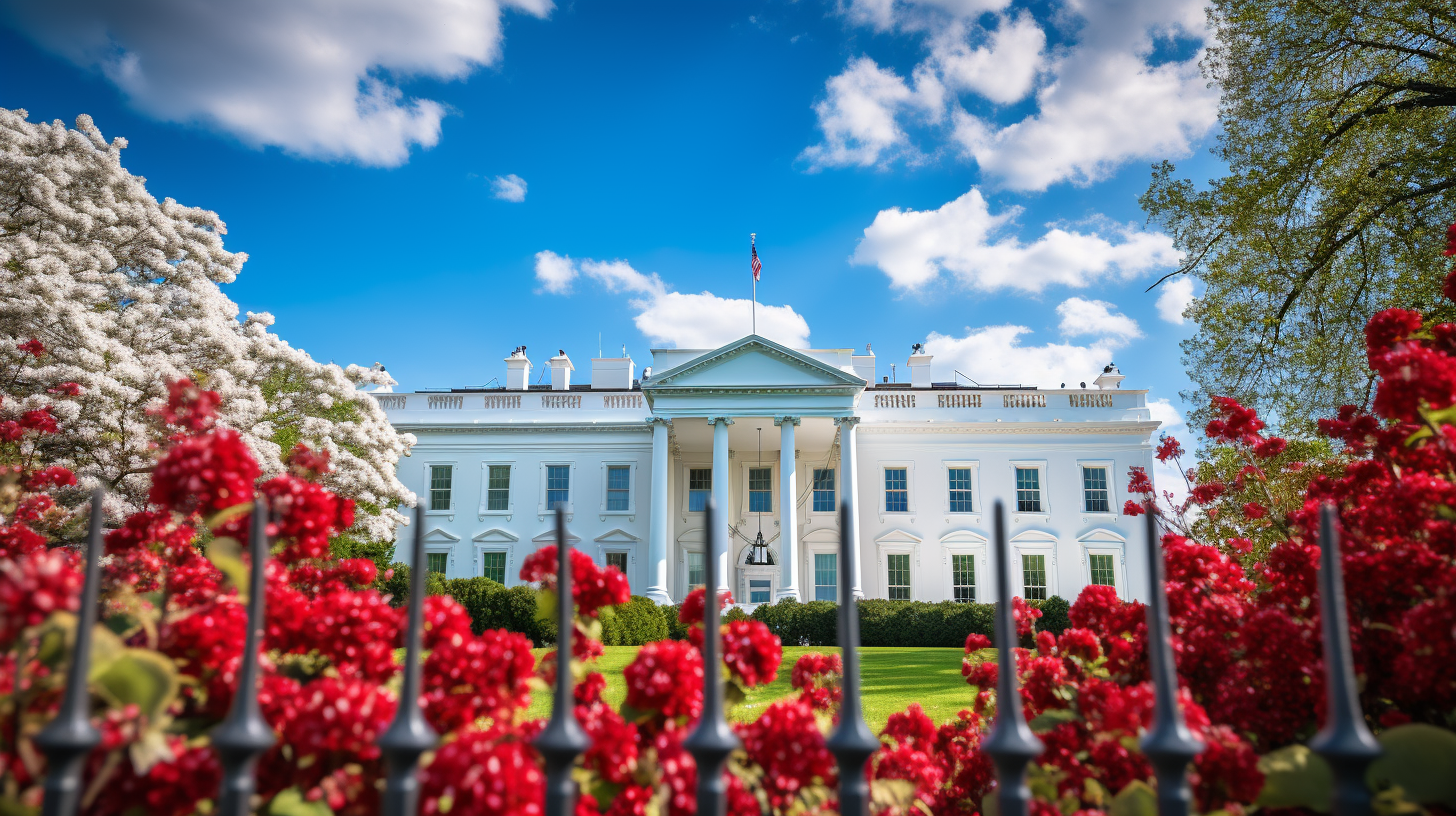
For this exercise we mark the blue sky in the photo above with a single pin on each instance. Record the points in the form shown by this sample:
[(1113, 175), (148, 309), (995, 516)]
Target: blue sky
[(915, 170)]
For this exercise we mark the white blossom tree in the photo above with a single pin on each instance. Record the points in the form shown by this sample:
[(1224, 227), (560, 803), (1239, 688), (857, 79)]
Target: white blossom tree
[(124, 293)]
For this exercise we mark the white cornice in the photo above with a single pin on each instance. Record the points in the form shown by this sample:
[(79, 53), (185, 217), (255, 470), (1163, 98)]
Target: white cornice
[(638, 427), (751, 344), (1135, 427)]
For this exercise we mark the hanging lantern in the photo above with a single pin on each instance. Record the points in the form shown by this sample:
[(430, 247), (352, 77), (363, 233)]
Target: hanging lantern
[(759, 555)]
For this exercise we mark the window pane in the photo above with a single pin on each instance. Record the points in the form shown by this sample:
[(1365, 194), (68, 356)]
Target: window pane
[(963, 578), (1094, 486), (826, 572), (618, 560), (897, 496), (494, 566), (960, 490), (697, 570), (1028, 490), (440, 476), (760, 490), (759, 590), (437, 562), (558, 486), (823, 490), (898, 568), (700, 486), (1033, 577), (619, 493), (498, 488), (1102, 570)]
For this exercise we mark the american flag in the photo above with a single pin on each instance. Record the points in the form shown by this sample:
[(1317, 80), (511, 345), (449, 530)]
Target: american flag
[(757, 264)]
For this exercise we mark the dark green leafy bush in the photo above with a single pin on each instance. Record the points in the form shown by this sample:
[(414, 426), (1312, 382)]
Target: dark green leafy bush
[(634, 623), (896, 623)]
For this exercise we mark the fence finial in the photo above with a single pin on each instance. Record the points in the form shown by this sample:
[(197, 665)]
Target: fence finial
[(1169, 745), (712, 741), (1344, 741), (1011, 744), (852, 742), (244, 735), (69, 738), (563, 740), (409, 735)]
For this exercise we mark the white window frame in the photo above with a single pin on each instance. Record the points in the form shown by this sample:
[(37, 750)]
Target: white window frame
[(454, 465), (485, 489), (683, 548), (573, 487), (1114, 507), (1034, 542), (898, 542), (812, 547), (440, 541), (1043, 480), (480, 552), (631, 465), (838, 488), (687, 469), (880, 468), (974, 515), (1105, 542), (773, 498), (496, 540), (966, 542)]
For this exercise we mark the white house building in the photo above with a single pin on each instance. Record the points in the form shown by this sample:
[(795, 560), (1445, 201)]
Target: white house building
[(779, 437)]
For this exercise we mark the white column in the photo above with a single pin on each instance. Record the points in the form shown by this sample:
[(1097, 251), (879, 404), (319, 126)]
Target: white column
[(657, 521), (849, 479), (788, 509), (720, 498)]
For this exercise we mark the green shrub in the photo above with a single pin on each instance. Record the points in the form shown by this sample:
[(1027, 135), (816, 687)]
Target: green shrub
[(735, 613), (634, 623), (676, 629), (1054, 616), (895, 623)]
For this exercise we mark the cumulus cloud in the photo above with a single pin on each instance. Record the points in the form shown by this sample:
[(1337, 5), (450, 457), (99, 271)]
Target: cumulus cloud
[(1095, 317), (884, 15), (1002, 69), (508, 188), (978, 249), (1174, 299), (314, 77), (858, 116), (701, 320), (996, 355)]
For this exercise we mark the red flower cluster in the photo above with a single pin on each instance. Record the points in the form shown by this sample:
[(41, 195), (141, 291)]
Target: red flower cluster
[(189, 408), (592, 586), (786, 743), (666, 677), (204, 474), (751, 652), (817, 677)]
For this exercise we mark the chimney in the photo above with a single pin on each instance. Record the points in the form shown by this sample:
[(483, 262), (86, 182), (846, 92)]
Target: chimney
[(919, 367), (1109, 378), (864, 366), (613, 373), (518, 370), (561, 369)]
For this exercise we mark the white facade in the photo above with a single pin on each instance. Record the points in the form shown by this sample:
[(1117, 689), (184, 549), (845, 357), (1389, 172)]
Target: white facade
[(923, 464)]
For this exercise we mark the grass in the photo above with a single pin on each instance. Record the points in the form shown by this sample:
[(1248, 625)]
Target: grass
[(892, 678)]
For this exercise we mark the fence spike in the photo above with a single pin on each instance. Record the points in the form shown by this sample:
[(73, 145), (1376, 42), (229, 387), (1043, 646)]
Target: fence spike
[(563, 740), (852, 742), (1169, 745), (244, 735), (69, 738), (1344, 741), (712, 741), (409, 735), (1010, 743)]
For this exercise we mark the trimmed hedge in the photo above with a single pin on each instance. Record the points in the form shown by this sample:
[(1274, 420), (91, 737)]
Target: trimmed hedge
[(634, 623), (896, 623)]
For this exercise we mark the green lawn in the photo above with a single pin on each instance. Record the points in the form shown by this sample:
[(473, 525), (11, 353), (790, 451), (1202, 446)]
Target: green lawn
[(892, 679)]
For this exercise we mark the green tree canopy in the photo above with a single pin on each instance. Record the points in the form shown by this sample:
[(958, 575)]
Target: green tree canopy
[(1337, 134)]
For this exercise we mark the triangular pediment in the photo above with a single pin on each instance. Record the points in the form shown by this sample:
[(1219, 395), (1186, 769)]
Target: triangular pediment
[(753, 362), (548, 538), (617, 537), (898, 537), (495, 536), (439, 536)]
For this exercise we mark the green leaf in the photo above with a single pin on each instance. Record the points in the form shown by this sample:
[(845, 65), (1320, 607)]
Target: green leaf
[(1137, 799), (140, 677), (1047, 720), (227, 555), (227, 514), (1295, 776), (1421, 760), (290, 802)]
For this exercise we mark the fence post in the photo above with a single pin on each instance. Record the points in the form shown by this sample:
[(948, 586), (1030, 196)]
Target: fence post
[(1344, 741), (1168, 744), (69, 738), (563, 740), (712, 741), (409, 735), (1011, 744), (244, 735), (852, 742)]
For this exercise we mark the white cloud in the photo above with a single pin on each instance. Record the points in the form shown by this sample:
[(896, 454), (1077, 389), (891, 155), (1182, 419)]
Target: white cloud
[(1095, 317), (883, 15), (1003, 69), (508, 188), (313, 77), (1174, 299), (964, 239), (995, 355), (703, 320), (858, 116)]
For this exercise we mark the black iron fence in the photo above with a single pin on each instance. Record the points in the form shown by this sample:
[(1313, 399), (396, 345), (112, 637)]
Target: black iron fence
[(1345, 742)]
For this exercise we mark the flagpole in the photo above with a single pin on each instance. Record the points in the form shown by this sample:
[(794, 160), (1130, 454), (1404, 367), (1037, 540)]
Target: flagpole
[(753, 242)]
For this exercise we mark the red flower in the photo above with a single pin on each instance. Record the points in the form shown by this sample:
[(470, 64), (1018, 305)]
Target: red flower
[(1450, 241), (786, 743), (189, 407), (1169, 448), (975, 643), (751, 652), (53, 476), (33, 347), (591, 586), (307, 463), (666, 676), (1132, 508), (1269, 448), (1253, 511), (817, 677), (205, 474), (69, 389), (694, 607), (1138, 481), (39, 420)]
